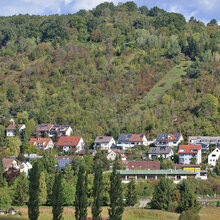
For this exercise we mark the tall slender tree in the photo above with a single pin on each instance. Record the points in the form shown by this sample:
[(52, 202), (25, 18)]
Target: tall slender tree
[(21, 190), (97, 191), (1, 172), (43, 189), (116, 202), (131, 195), (34, 188), (57, 197), (81, 195)]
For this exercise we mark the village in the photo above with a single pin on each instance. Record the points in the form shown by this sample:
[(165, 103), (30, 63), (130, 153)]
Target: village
[(192, 160)]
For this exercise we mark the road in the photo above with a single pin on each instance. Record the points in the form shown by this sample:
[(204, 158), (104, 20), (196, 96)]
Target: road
[(143, 203)]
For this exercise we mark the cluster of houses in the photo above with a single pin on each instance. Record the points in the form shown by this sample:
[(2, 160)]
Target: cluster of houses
[(162, 146)]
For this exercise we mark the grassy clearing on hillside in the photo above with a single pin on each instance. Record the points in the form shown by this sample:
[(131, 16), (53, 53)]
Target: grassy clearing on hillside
[(130, 213), (167, 82)]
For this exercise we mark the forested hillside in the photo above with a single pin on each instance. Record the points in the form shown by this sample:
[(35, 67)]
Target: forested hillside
[(95, 69)]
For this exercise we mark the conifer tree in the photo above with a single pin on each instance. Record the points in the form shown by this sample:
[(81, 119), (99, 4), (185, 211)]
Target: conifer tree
[(97, 191), (162, 196), (131, 195), (1, 172), (43, 189), (81, 195), (116, 203), (21, 190), (188, 198), (34, 188), (57, 197)]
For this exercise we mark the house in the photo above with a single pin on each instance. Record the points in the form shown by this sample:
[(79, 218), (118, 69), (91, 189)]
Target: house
[(43, 130), (126, 141), (204, 141), (27, 167), (116, 153), (60, 130), (142, 165), (63, 161), (42, 143), (2, 212), (84, 152), (51, 130), (9, 162), (175, 175), (207, 140), (214, 156), (194, 168), (12, 211), (104, 142), (156, 152), (75, 143), (188, 152), (11, 129), (168, 139)]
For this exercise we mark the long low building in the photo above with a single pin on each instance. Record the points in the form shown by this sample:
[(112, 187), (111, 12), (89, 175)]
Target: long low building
[(176, 175)]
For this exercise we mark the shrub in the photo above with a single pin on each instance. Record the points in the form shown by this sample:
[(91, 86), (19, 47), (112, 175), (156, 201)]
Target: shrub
[(189, 215)]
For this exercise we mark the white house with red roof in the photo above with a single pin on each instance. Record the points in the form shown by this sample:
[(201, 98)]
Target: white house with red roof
[(42, 143), (75, 143), (104, 142), (214, 156), (11, 129), (188, 152), (168, 139), (126, 141)]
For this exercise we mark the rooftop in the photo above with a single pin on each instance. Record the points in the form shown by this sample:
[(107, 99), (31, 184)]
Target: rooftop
[(169, 136), (155, 172), (189, 149)]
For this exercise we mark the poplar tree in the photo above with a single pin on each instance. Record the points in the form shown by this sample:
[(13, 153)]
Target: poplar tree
[(21, 190), (131, 195), (57, 197), (81, 195), (97, 191), (43, 189), (1, 172), (34, 188), (116, 202)]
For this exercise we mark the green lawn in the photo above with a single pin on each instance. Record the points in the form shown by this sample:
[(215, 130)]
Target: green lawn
[(167, 82), (130, 213)]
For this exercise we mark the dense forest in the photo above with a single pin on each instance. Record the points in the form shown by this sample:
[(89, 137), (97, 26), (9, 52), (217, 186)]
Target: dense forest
[(94, 70)]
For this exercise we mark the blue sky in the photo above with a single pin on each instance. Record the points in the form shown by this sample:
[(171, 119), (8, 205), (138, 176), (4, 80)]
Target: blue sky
[(203, 10)]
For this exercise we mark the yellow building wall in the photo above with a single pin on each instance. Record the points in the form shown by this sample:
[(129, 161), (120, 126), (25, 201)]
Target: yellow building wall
[(192, 169)]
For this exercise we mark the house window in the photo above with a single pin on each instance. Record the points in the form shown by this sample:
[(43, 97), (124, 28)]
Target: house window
[(213, 155)]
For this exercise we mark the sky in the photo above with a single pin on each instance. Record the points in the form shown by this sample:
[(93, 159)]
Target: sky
[(203, 10)]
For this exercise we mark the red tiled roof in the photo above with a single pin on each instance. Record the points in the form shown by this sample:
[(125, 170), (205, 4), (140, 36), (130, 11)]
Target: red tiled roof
[(189, 149), (179, 166), (40, 141), (13, 126), (143, 165), (136, 138), (68, 141)]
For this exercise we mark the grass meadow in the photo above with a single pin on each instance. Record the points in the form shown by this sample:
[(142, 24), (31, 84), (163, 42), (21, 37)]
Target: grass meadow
[(130, 213)]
